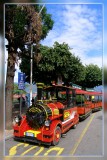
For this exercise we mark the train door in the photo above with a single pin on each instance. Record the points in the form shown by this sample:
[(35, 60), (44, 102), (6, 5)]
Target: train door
[(70, 115), (83, 104)]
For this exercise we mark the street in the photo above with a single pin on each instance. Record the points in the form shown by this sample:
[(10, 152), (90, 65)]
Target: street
[(85, 140)]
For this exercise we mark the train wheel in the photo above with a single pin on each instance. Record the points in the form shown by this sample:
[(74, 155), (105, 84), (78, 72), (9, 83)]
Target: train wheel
[(56, 136)]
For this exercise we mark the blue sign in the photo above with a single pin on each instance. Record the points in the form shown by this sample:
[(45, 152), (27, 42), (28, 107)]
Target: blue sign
[(21, 80)]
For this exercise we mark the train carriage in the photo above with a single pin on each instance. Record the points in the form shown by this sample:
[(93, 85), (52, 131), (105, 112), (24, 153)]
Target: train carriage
[(83, 104), (96, 99), (87, 102)]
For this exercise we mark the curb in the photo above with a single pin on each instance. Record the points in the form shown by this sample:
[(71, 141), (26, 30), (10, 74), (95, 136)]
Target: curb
[(9, 136)]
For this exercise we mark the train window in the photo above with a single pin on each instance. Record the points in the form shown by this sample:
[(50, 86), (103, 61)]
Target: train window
[(85, 98), (88, 98), (80, 99), (70, 97), (61, 94), (96, 98), (49, 95), (93, 98), (100, 98)]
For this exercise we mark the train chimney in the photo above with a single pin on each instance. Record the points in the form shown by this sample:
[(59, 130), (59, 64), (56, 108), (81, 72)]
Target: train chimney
[(39, 90)]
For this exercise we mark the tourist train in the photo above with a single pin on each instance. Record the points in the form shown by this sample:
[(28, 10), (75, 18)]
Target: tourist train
[(56, 109)]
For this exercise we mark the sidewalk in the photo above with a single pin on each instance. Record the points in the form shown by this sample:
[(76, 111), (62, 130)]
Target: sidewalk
[(16, 111), (8, 134)]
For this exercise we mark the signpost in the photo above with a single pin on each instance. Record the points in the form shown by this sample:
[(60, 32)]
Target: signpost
[(21, 85), (21, 80)]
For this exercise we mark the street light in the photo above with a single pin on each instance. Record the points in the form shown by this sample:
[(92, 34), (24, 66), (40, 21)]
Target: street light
[(31, 61), (31, 68), (41, 9)]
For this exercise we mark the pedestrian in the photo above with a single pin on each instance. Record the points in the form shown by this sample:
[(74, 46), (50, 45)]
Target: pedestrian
[(23, 102), (33, 101), (27, 101)]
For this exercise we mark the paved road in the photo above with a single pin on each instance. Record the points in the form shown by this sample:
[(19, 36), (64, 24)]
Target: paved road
[(85, 140)]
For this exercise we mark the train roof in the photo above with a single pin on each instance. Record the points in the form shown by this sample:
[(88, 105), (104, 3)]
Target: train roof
[(80, 91), (60, 87)]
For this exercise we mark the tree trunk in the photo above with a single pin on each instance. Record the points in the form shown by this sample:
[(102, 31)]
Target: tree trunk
[(9, 96)]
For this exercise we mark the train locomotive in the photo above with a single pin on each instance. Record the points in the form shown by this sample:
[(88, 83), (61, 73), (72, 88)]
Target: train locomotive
[(50, 117)]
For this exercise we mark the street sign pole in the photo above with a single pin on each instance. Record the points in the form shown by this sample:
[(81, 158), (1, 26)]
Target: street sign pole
[(31, 68), (21, 86), (20, 103)]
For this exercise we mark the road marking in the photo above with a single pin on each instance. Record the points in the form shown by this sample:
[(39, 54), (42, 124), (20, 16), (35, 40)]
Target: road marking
[(13, 150), (81, 136), (60, 150), (40, 150), (28, 150)]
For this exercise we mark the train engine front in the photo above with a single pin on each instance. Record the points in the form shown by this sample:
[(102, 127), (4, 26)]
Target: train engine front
[(44, 121), (38, 125)]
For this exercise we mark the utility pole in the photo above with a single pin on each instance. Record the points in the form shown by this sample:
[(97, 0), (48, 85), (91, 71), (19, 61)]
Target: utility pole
[(31, 64), (31, 69)]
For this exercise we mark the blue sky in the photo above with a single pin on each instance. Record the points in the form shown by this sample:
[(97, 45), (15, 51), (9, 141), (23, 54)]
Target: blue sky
[(80, 24), (95, 51), (81, 27)]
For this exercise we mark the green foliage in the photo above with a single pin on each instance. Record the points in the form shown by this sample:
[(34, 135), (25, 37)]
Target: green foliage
[(15, 20), (19, 21), (80, 99), (93, 76), (56, 61), (18, 91), (105, 76), (47, 22), (18, 16)]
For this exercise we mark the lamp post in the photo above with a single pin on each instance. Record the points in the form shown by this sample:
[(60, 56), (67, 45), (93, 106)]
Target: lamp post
[(31, 62), (31, 69)]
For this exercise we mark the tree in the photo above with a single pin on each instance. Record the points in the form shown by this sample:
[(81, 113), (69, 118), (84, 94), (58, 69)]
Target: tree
[(105, 76), (18, 91), (10, 34), (93, 76), (56, 61), (17, 16)]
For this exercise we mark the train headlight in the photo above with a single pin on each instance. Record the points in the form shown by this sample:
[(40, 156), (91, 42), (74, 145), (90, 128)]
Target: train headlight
[(17, 119), (47, 123)]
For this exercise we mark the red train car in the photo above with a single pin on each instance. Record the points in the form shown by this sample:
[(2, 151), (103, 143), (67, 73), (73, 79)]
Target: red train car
[(50, 117), (96, 99), (83, 104), (88, 102)]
